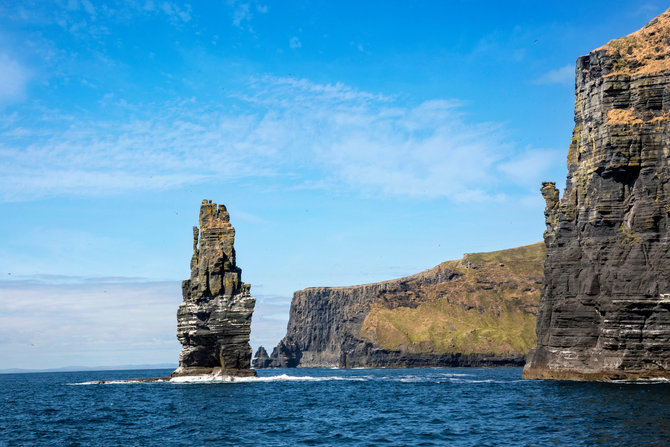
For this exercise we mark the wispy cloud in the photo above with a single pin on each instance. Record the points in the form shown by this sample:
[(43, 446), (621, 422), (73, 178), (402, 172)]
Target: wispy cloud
[(243, 12), (52, 321), (83, 17), (75, 5), (14, 78), (295, 42), (563, 75), (49, 279), (165, 152), (648, 9), (301, 133), (523, 170), (56, 325), (174, 11), (268, 325)]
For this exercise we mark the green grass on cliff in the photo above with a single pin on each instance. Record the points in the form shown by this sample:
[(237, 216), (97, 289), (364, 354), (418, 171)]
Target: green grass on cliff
[(490, 307), (525, 260)]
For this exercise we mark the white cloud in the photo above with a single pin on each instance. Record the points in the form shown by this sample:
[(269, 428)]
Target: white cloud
[(528, 168), (13, 79), (295, 42), (241, 13), (298, 132), (563, 75), (93, 19), (269, 322), (88, 7), (51, 325), (53, 321), (174, 11)]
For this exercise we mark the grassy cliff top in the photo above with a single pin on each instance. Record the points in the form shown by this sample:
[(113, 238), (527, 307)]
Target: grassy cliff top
[(527, 260), (645, 50), (488, 307)]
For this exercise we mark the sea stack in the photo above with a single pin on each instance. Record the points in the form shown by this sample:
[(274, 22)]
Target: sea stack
[(605, 305), (214, 321), (261, 359)]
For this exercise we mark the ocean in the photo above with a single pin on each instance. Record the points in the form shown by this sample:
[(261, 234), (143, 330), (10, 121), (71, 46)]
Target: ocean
[(359, 407)]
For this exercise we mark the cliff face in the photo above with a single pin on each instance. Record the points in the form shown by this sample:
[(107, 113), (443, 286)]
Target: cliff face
[(214, 321), (605, 308), (478, 311)]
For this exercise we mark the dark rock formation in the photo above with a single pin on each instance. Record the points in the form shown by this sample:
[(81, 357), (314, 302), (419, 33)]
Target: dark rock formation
[(605, 309), (261, 359), (213, 322), (478, 311)]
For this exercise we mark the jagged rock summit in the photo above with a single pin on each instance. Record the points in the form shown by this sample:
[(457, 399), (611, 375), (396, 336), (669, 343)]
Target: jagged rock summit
[(605, 307), (214, 320), (261, 358)]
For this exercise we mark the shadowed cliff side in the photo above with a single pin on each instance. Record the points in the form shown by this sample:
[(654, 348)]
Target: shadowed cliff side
[(214, 321), (477, 311), (605, 309)]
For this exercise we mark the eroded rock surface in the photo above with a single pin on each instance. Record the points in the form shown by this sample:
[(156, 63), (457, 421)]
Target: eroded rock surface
[(477, 311), (261, 359), (214, 320), (605, 308)]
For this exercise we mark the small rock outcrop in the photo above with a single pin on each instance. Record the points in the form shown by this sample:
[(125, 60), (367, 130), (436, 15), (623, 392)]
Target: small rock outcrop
[(261, 359), (214, 320), (477, 311), (605, 308)]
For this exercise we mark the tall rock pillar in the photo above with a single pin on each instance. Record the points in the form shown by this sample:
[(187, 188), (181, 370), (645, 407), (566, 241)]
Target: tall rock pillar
[(214, 320), (605, 306)]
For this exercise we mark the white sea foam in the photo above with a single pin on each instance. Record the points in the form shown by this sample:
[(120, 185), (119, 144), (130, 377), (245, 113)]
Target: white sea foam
[(208, 378), (455, 378), (442, 378), (643, 381), (117, 382)]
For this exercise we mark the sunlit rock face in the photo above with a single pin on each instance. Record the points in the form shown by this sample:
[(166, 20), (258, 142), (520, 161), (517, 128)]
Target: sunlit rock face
[(605, 306), (477, 311), (214, 321)]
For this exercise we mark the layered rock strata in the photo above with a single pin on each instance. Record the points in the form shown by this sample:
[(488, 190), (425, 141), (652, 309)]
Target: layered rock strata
[(261, 359), (477, 311), (214, 320), (605, 308)]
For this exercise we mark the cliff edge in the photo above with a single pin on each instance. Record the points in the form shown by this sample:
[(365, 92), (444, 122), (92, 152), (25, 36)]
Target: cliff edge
[(214, 320), (605, 307), (477, 311)]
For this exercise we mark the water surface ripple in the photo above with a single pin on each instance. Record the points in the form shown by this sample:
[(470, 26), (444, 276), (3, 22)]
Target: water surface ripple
[(362, 407)]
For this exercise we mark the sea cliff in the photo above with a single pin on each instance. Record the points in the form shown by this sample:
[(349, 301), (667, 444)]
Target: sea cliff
[(605, 308), (214, 320), (476, 311)]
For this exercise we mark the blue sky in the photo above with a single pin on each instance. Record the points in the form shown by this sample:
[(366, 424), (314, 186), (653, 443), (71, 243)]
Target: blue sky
[(350, 142)]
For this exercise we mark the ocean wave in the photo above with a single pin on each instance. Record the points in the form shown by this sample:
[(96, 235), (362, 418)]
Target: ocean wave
[(658, 380), (280, 378), (118, 382), (455, 378)]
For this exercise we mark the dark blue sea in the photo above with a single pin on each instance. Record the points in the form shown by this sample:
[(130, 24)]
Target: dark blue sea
[(362, 407)]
